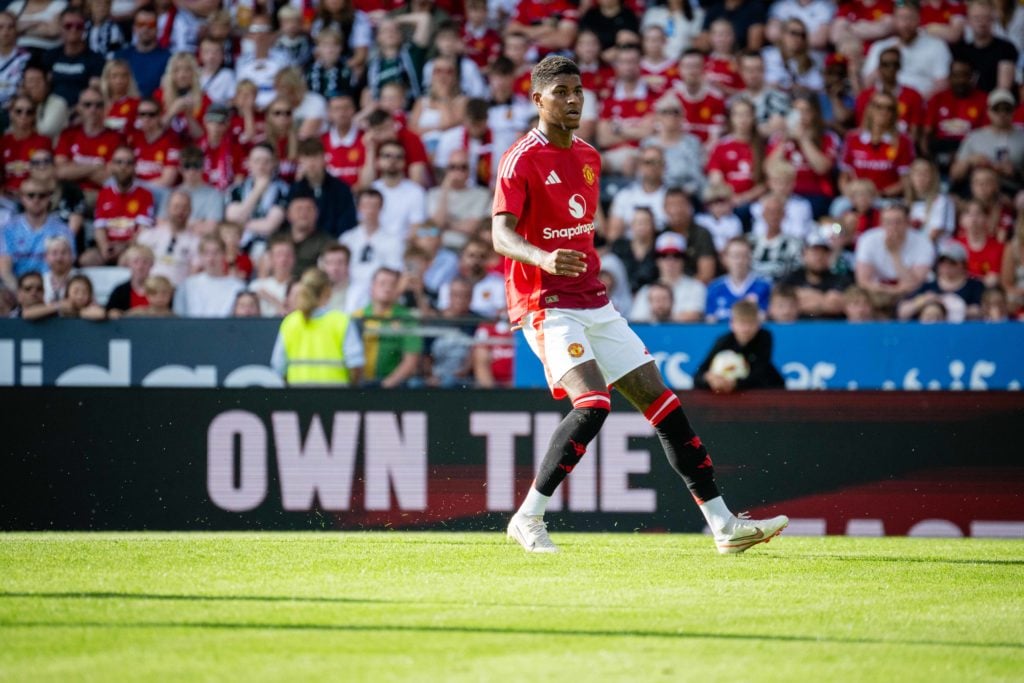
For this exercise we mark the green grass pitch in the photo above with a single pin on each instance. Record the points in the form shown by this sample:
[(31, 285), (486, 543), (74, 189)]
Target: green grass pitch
[(473, 607)]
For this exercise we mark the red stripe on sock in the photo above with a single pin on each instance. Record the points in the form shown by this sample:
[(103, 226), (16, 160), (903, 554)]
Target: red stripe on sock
[(601, 400), (661, 407)]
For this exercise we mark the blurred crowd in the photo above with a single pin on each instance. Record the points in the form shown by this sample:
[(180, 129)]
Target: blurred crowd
[(825, 160)]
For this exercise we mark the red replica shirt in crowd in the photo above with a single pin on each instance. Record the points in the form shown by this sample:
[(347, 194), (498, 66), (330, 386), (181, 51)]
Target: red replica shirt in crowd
[(952, 118), (16, 154), (152, 157), (807, 181), (481, 46), (862, 10), (522, 85), (532, 12), (722, 73), (345, 155), (628, 109), (79, 148), (554, 193), (236, 130), (123, 214), (598, 79), (502, 354), (909, 106), (705, 112), (414, 149), (659, 77), (137, 299), (1018, 116), (988, 259), (179, 124), (883, 163), (941, 13), (287, 164), (734, 159), (121, 115), (221, 163)]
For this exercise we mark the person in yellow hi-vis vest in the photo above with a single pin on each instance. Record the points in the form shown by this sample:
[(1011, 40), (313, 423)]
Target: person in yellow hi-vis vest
[(317, 345)]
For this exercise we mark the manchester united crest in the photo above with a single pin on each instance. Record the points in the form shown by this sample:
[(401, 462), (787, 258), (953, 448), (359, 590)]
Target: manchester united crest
[(588, 174), (353, 154), (133, 206), (575, 349)]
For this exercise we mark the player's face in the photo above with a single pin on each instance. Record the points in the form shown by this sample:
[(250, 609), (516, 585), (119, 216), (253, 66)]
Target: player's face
[(561, 101)]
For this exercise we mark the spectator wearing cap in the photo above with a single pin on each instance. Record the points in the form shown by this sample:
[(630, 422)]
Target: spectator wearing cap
[(684, 156), (893, 260), (336, 206), (72, 66), (207, 203), (718, 217), (701, 256), (689, 295), (993, 58), (739, 283), (999, 145), (222, 156), (984, 251), (455, 206), (819, 289), (647, 191), (146, 58), (775, 253), (925, 58), (959, 293)]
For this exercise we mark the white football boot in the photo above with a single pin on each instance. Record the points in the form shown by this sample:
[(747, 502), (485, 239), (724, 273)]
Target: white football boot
[(532, 533), (748, 532)]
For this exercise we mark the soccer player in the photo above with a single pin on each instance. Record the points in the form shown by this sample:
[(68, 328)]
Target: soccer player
[(545, 200)]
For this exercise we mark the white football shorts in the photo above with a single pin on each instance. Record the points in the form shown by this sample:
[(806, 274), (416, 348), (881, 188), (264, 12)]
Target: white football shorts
[(563, 338)]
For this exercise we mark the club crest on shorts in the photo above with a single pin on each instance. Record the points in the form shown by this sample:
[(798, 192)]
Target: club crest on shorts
[(575, 349), (588, 174)]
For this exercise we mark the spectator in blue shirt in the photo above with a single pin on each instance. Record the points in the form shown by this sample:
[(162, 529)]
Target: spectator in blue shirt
[(23, 239), (146, 58), (738, 283)]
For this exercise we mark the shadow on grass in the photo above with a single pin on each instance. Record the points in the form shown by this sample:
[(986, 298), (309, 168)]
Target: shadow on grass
[(512, 631), (888, 558)]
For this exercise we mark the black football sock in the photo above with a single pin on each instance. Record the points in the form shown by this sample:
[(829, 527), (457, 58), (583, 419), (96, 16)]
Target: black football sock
[(570, 439), (683, 447)]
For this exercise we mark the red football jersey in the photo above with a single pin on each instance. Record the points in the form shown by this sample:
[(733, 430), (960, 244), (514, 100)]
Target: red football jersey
[(523, 86), (988, 259), (286, 165), (705, 112), (554, 193), (121, 114), (123, 214), (598, 79), (722, 73), (1018, 116), (498, 336), (861, 10), (807, 181), (734, 159), (532, 12), (481, 46), (628, 109), (77, 147), (179, 124), (883, 163), (16, 154), (952, 118), (236, 130), (909, 106), (659, 77), (221, 163), (941, 12), (345, 155), (152, 157)]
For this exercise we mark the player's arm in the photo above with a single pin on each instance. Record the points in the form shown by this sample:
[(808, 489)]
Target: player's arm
[(511, 244)]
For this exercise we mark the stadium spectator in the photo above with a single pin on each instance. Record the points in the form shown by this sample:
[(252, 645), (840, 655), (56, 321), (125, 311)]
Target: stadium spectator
[(659, 303), (721, 64), (626, 114), (159, 293), (953, 113), (37, 24), (20, 142), (1012, 271), (689, 295), (343, 143), (684, 157), (944, 19), (783, 306), (718, 217), (910, 104), (488, 286), (317, 345), (336, 206), (247, 305), (132, 292), (747, 19), (877, 151), (811, 150), (482, 43), (893, 259), (216, 78), (931, 210), (857, 305), (701, 256), (381, 128), (147, 58), (175, 247), (206, 202), (657, 69), (637, 252), (441, 107), (925, 58), (405, 201), (120, 94), (66, 201), (984, 250), (60, 261), (236, 262), (449, 47), (211, 292), (863, 212), (681, 21), (933, 311), (449, 355), (596, 75), (157, 151), (123, 209), (993, 57), (77, 303), (818, 288), (959, 293), (646, 192), (23, 239), (309, 109), (353, 25), (371, 247), (737, 159), (334, 262), (609, 20), (293, 46), (454, 206), (999, 211), (393, 359), (84, 151), (309, 240), (775, 253), (182, 98), (738, 283), (258, 203), (838, 99), (29, 293), (246, 124), (866, 20), (493, 355), (259, 66), (509, 112), (550, 25), (72, 66), (703, 106), (396, 59), (791, 65), (995, 306), (476, 138), (771, 105), (329, 75), (999, 145), (747, 338), (272, 290), (51, 109), (798, 218), (816, 15), (441, 263)]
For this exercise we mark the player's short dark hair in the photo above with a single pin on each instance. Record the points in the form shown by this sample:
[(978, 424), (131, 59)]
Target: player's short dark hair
[(551, 68)]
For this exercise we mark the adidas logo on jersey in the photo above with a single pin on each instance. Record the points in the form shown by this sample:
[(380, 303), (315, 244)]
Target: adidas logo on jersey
[(552, 179)]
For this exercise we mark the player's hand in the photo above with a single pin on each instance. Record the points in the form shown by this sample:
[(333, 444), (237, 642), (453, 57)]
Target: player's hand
[(565, 262)]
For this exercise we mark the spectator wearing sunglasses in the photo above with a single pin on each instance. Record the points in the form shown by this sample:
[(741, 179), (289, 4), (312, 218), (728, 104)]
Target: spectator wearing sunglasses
[(84, 151), (28, 294), (145, 56), (23, 240), (72, 66), (19, 143)]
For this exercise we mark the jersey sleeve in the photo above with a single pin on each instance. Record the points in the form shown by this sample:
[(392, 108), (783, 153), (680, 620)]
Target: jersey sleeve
[(510, 190), (905, 155), (102, 215), (64, 143)]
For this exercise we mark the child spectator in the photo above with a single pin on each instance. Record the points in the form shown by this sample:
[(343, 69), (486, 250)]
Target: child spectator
[(984, 251), (159, 293), (959, 293), (211, 292), (994, 306), (78, 303), (216, 77), (132, 293), (931, 209), (752, 343), (857, 306), (247, 305), (237, 263), (293, 46), (783, 306)]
